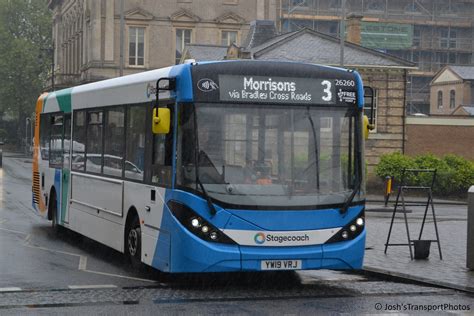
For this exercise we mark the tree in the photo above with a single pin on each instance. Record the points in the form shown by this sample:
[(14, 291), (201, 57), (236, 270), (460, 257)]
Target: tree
[(25, 30)]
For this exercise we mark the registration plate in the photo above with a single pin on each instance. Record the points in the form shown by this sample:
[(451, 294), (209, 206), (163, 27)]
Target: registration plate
[(280, 264)]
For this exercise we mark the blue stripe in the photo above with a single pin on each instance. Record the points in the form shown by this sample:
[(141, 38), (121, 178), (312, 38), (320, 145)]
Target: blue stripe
[(360, 90)]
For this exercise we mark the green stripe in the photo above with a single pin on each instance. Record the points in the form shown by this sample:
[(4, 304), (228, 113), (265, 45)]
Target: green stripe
[(64, 100)]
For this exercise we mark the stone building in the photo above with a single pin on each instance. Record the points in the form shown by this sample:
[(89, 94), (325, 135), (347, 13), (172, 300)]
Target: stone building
[(452, 91), (87, 33), (430, 33), (384, 73)]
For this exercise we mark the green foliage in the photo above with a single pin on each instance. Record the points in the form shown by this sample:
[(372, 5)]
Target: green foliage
[(393, 164), (3, 134), (454, 174), (25, 30)]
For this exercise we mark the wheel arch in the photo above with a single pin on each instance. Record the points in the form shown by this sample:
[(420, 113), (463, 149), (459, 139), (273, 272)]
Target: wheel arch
[(52, 194)]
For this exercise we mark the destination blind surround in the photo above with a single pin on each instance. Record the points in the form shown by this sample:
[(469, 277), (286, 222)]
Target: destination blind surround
[(276, 89)]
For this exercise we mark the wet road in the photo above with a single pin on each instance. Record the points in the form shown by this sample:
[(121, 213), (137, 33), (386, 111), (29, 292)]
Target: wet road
[(45, 273)]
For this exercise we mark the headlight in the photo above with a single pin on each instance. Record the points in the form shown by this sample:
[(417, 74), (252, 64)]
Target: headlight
[(196, 224), (351, 230)]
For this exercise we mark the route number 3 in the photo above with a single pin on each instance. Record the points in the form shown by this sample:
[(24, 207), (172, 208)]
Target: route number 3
[(327, 90)]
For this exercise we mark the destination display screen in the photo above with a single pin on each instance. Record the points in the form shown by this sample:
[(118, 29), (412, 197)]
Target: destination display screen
[(276, 89), (273, 83)]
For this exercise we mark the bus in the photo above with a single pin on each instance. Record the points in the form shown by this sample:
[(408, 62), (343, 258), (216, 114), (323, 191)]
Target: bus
[(210, 166)]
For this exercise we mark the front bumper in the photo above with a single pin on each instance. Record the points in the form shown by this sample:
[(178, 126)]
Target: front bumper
[(192, 254)]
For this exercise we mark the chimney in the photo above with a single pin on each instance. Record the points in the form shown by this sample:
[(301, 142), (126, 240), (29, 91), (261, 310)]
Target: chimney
[(260, 32), (353, 28)]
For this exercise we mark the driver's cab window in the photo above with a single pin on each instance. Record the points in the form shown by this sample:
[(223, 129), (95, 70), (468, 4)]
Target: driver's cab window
[(162, 155)]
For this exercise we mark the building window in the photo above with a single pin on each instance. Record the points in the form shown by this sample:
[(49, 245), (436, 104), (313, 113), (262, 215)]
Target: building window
[(416, 37), (370, 95), (440, 99), (136, 52), (334, 29), (448, 38), (183, 37), (228, 37), (452, 99), (442, 58)]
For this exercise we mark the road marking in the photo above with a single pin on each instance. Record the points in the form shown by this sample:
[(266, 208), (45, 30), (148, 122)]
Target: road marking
[(120, 276), (10, 289), (82, 259), (82, 263), (14, 231), (98, 286)]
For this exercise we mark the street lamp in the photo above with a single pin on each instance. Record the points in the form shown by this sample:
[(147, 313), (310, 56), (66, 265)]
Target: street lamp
[(27, 143)]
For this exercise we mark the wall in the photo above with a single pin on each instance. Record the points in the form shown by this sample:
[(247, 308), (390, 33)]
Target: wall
[(87, 32), (440, 136), (463, 96), (389, 85)]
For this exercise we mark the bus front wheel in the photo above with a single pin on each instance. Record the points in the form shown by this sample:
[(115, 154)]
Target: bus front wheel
[(133, 246)]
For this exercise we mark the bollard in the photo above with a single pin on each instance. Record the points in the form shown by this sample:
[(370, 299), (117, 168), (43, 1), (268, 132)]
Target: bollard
[(470, 229), (1, 158), (388, 189)]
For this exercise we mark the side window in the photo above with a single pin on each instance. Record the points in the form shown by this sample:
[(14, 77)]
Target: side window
[(161, 169), (113, 147), (79, 141), (135, 142), (56, 141), (44, 135), (67, 140), (94, 144)]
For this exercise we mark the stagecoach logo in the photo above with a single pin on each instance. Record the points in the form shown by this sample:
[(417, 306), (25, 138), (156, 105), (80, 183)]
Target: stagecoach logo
[(207, 85), (346, 96), (150, 90), (259, 238), (278, 238)]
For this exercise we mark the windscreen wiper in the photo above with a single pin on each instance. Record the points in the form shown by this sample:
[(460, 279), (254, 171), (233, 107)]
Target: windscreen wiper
[(211, 207), (316, 150), (351, 197)]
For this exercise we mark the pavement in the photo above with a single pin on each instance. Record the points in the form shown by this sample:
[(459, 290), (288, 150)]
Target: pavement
[(451, 217)]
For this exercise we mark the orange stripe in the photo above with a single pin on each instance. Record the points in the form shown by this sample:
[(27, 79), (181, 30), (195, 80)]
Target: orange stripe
[(36, 148)]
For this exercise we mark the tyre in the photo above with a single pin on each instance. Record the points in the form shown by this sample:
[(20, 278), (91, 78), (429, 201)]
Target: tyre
[(133, 243)]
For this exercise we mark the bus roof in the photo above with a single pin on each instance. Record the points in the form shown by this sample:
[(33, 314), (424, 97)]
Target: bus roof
[(141, 87)]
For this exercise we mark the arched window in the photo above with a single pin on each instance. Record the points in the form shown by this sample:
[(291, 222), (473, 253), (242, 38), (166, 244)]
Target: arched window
[(452, 99), (440, 99)]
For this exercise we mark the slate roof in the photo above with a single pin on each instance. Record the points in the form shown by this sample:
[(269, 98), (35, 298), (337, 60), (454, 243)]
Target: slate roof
[(314, 47), (469, 109), (260, 31), (464, 72), (201, 52)]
